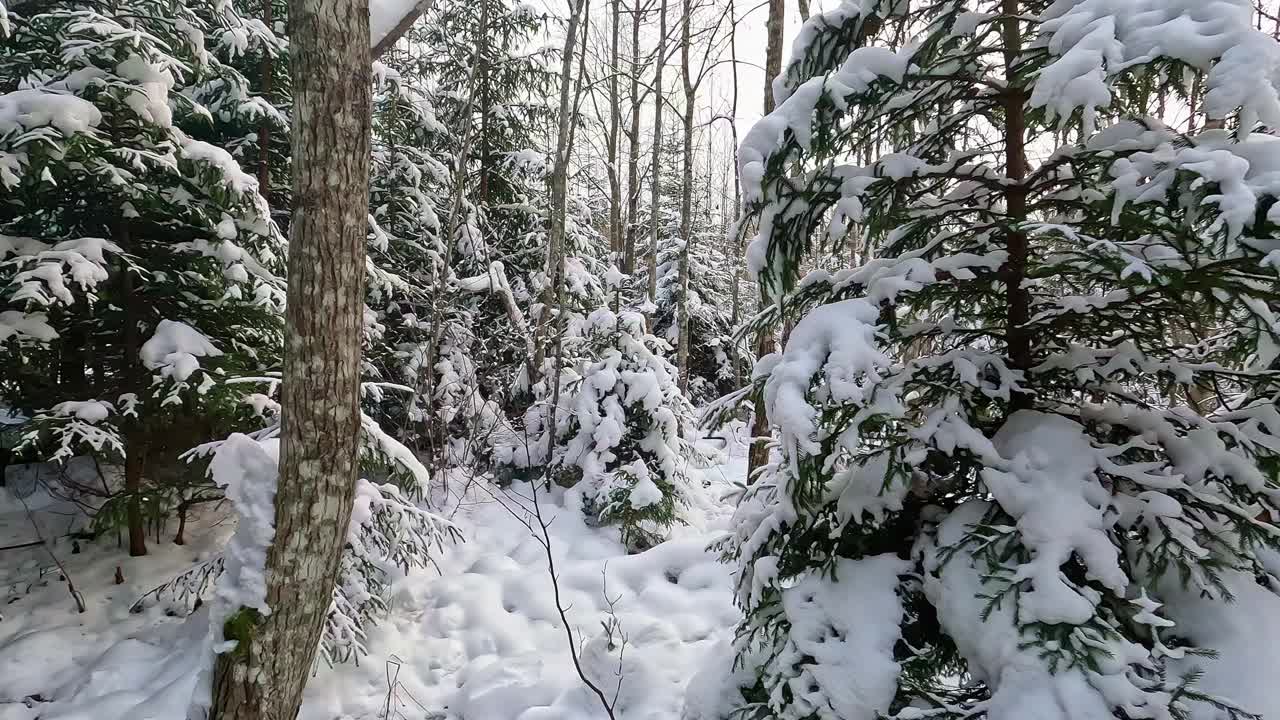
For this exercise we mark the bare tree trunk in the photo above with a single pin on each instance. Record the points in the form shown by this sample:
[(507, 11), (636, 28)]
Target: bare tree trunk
[(633, 148), (686, 200), (263, 677), (737, 187), (804, 9), (773, 50), (615, 123), (655, 170), (560, 186), (135, 436), (564, 147), (759, 453)]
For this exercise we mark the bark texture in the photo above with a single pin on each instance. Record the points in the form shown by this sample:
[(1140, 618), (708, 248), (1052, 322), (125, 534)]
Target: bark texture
[(263, 678)]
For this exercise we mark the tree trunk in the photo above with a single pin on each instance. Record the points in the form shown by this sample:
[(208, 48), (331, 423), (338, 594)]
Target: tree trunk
[(633, 147), (559, 188), (739, 250), (135, 438), (655, 171), (615, 124), (686, 201), (134, 464), (773, 50), (263, 678), (264, 128), (759, 453), (804, 9), (1017, 301)]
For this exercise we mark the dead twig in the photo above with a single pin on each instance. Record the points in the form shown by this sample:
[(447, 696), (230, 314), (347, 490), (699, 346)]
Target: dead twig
[(71, 586)]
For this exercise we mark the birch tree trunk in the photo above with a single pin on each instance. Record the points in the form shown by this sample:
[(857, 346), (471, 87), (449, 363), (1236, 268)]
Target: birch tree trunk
[(655, 170), (264, 676), (686, 201)]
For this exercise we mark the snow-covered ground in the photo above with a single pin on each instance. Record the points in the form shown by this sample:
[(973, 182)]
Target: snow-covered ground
[(481, 639)]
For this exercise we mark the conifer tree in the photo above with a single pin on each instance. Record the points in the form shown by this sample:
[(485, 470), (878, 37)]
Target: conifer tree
[(622, 431), (983, 469), (140, 266)]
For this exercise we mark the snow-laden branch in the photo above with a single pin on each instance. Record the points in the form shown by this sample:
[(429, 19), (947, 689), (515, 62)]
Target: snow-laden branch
[(389, 20)]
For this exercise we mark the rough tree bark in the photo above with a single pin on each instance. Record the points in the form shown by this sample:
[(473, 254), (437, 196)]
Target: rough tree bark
[(263, 677), (759, 453), (686, 199), (655, 169)]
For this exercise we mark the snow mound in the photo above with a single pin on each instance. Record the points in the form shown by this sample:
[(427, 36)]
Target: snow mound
[(485, 640)]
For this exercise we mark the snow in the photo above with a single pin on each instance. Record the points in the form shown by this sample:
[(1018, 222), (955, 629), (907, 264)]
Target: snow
[(1091, 40), (841, 641), (1051, 488), (35, 107), (484, 640), (1245, 634), (384, 15), (1021, 682), (175, 349), (479, 640), (837, 340), (90, 411), (246, 470)]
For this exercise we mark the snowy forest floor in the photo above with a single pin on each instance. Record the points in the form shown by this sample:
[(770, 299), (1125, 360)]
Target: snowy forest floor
[(479, 639)]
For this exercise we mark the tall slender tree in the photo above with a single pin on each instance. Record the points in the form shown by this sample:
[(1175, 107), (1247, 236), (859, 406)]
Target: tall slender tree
[(263, 677), (758, 455)]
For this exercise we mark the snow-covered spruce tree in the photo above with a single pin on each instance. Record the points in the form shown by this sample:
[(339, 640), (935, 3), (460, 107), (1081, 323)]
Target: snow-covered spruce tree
[(712, 365), (408, 310), (139, 263), (495, 80), (620, 431), (990, 498)]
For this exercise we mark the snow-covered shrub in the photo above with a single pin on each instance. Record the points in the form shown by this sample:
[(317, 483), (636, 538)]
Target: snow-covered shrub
[(390, 532), (621, 431), (1043, 414)]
